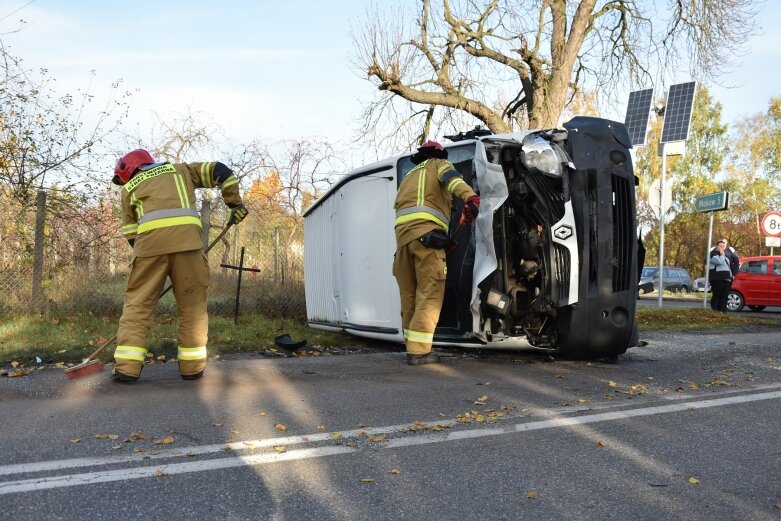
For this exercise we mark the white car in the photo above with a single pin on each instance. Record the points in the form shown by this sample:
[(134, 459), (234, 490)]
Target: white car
[(699, 284)]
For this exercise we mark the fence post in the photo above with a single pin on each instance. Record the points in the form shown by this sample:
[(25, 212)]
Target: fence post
[(276, 253), (40, 223), (206, 219)]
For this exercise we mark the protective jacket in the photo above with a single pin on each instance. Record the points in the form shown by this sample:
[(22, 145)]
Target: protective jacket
[(424, 200), (158, 205)]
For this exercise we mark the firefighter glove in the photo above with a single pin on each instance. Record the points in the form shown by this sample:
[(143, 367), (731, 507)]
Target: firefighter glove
[(237, 214), (471, 209)]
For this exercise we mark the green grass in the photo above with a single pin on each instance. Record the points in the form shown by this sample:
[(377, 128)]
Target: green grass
[(690, 319), (71, 338)]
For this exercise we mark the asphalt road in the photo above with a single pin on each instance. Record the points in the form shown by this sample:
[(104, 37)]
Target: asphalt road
[(685, 427)]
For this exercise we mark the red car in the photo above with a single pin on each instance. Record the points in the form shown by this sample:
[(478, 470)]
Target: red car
[(757, 284)]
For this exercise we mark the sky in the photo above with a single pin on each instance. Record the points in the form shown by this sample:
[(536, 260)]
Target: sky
[(258, 69), (261, 69)]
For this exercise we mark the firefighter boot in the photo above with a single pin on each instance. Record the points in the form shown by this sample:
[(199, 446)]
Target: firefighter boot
[(126, 371), (191, 369), (129, 361), (428, 358), (192, 362)]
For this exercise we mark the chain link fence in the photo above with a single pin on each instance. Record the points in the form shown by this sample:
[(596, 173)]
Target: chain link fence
[(63, 273)]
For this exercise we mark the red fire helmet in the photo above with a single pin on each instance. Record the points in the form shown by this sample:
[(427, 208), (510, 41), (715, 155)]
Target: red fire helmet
[(129, 163)]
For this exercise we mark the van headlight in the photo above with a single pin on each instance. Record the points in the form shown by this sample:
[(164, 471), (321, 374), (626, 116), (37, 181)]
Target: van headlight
[(541, 156)]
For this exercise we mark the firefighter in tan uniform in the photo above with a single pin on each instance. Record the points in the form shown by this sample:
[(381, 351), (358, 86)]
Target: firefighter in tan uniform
[(423, 206), (163, 227)]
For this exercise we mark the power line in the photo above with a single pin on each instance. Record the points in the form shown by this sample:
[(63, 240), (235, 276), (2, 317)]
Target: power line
[(17, 10)]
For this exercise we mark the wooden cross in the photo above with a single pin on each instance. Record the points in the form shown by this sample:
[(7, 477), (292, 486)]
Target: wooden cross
[(241, 268)]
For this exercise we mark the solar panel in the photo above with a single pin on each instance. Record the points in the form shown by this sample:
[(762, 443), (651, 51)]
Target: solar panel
[(678, 112), (638, 109)]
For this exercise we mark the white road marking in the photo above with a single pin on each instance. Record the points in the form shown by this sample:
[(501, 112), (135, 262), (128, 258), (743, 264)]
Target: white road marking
[(28, 485), (692, 396), (580, 420), (141, 457)]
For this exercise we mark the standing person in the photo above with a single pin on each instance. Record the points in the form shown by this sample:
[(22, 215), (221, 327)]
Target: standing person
[(732, 257), (160, 222), (731, 254), (720, 275), (423, 206)]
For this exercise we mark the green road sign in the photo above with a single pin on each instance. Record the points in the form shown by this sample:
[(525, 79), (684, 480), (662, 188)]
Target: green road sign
[(712, 202)]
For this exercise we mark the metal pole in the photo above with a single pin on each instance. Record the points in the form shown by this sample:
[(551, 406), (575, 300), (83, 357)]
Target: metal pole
[(276, 253), (660, 271), (238, 288), (206, 219), (40, 225), (707, 263)]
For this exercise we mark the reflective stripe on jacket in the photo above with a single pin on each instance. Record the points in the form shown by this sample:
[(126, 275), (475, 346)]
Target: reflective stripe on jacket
[(424, 199)]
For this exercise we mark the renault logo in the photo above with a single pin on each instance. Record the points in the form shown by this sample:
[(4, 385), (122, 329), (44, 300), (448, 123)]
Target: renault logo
[(563, 232)]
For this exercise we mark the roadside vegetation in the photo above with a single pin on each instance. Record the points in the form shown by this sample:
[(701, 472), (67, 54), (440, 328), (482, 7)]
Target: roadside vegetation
[(68, 339), (63, 341), (690, 319)]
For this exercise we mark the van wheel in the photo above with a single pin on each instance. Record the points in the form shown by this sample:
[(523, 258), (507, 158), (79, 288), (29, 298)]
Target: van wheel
[(735, 301), (756, 308), (684, 289)]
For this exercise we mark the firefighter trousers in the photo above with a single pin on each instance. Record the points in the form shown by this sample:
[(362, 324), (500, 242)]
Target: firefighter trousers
[(420, 273), (189, 274)]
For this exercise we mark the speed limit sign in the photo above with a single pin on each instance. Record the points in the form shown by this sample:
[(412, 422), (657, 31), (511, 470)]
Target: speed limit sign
[(771, 224)]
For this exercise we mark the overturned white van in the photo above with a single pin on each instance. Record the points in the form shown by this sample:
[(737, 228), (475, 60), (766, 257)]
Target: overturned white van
[(550, 263)]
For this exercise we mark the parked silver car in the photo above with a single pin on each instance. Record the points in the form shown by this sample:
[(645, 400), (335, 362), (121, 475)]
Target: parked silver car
[(675, 279)]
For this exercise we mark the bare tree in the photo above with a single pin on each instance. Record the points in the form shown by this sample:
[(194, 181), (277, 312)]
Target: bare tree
[(52, 142), (305, 168), (48, 139), (508, 64), (302, 170)]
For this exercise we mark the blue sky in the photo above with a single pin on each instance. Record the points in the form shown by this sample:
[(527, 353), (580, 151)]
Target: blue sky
[(266, 69), (261, 69)]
